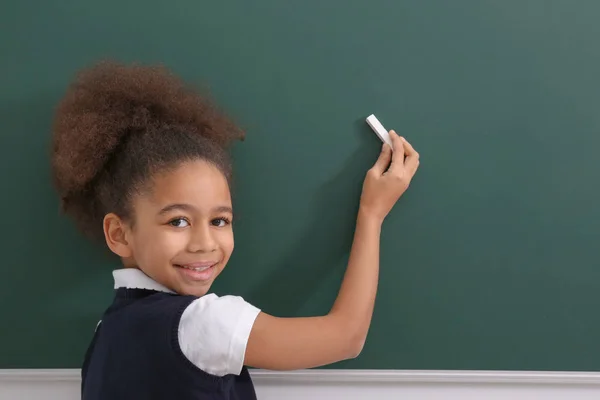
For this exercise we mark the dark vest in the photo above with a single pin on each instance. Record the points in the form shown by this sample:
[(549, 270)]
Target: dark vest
[(135, 354)]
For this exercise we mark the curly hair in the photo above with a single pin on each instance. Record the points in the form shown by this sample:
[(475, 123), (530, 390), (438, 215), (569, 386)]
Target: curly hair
[(117, 126)]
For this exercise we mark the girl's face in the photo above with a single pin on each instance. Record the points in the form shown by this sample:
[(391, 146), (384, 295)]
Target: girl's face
[(182, 237)]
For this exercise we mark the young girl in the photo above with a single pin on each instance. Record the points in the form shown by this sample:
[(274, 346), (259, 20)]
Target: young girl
[(140, 163)]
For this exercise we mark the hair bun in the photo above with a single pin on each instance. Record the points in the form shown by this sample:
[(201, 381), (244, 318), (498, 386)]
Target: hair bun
[(110, 100)]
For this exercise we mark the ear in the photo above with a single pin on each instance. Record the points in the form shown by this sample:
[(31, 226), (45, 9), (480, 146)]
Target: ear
[(115, 233)]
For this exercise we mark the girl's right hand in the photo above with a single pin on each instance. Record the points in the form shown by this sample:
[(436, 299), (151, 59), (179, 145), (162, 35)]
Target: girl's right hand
[(383, 186)]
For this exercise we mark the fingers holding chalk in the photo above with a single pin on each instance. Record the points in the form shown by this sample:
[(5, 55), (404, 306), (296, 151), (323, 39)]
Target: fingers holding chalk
[(404, 155), (379, 130), (383, 161)]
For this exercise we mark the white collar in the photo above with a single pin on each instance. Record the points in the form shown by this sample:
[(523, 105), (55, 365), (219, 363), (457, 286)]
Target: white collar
[(133, 278)]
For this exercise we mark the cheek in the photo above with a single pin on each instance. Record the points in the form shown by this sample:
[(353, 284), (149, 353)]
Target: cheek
[(160, 246), (226, 242)]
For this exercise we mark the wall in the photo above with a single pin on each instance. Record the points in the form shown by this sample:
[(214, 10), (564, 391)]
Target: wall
[(350, 385)]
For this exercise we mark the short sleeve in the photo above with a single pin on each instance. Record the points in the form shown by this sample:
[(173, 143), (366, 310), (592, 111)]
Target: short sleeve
[(214, 331)]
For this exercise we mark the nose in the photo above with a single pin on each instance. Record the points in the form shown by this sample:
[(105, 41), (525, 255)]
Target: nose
[(202, 240)]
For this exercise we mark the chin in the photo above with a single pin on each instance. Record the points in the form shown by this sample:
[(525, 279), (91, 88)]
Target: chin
[(195, 290), (199, 292)]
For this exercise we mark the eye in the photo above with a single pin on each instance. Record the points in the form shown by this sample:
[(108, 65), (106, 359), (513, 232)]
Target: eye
[(177, 222), (220, 222)]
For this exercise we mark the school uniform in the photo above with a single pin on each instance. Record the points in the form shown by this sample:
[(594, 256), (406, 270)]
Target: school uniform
[(155, 344)]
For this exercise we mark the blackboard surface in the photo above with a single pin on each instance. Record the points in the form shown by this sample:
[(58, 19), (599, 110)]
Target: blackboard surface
[(490, 260)]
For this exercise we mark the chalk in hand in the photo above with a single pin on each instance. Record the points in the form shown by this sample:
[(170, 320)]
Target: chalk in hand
[(379, 129)]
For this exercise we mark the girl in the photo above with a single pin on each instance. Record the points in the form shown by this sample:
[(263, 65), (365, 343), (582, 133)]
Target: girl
[(140, 163)]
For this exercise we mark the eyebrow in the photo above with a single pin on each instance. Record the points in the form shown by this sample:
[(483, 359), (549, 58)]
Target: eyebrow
[(189, 208)]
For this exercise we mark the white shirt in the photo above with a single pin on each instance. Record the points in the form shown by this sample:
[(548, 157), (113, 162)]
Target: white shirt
[(213, 331)]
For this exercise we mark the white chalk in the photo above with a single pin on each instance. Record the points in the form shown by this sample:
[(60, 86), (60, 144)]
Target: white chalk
[(379, 129)]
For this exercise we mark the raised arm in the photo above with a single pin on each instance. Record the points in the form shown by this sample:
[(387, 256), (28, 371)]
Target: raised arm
[(294, 343)]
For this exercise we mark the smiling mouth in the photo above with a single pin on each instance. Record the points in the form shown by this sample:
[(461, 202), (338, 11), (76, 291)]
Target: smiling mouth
[(200, 272), (203, 268)]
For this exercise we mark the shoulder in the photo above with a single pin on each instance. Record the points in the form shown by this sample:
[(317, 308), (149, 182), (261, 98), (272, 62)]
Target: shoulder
[(213, 333)]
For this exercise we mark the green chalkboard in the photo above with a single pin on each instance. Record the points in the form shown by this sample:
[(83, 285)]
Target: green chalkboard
[(490, 260)]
